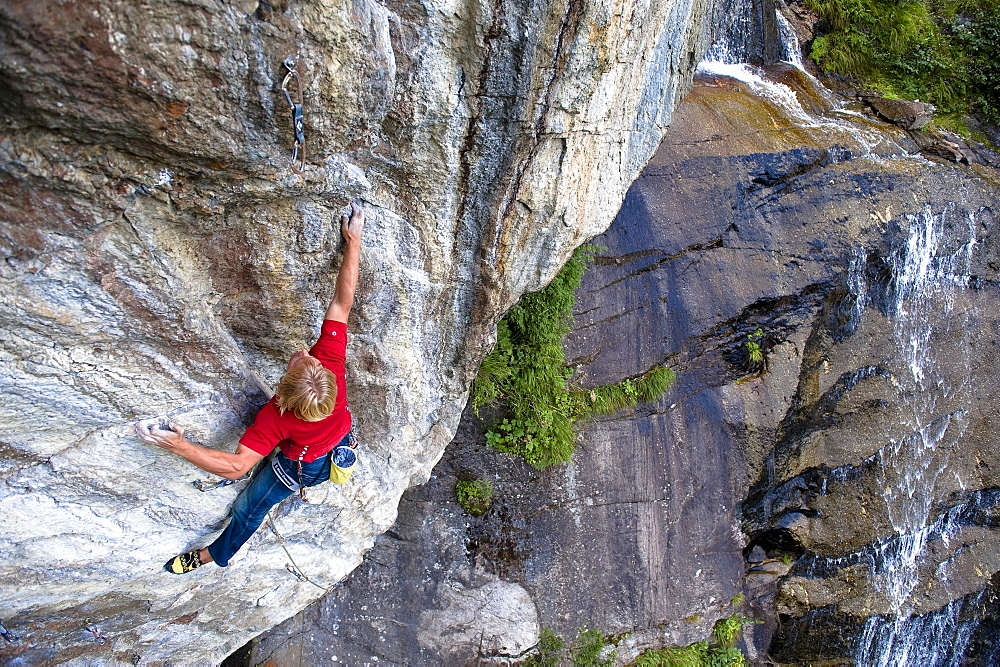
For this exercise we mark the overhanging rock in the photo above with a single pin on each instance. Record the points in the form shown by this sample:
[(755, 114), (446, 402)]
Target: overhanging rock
[(160, 256)]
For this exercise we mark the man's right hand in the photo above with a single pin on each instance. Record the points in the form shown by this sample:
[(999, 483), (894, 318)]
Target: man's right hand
[(171, 438), (351, 227), (347, 279)]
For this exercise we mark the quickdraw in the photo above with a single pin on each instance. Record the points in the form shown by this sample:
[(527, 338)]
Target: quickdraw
[(99, 639), (203, 485), (298, 575), (298, 124), (8, 636)]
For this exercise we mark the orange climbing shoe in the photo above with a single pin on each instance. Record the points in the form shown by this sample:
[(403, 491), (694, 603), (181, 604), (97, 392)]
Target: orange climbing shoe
[(184, 563)]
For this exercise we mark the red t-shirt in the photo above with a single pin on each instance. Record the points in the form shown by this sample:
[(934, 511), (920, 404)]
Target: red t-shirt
[(299, 439)]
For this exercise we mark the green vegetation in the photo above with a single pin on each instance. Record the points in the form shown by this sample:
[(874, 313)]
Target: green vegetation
[(938, 51), (750, 357), (526, 373), (699, 654), (474, 495), (719, 652), (590, 649), (727, 630), (755, 355), (548, 651)]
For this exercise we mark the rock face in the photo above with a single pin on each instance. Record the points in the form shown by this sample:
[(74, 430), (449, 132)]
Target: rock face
[(872, 274), (878, 477), (161, 257)]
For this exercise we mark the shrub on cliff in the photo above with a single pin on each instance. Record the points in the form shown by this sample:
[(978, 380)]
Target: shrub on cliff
[(938, 51), (526, 374)]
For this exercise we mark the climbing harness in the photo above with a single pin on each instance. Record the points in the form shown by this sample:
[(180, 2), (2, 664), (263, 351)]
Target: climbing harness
[(298, 124), (294, 484), (8, 636), (99, 639), (206, 485)]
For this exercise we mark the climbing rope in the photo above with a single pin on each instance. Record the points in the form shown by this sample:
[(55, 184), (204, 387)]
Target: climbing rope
[(290, 566), (298, 124)]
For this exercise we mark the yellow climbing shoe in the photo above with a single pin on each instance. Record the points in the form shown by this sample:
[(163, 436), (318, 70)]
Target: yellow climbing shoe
[(184, 563)]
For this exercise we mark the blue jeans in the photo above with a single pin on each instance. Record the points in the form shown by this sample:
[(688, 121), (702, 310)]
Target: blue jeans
[(264, 492)]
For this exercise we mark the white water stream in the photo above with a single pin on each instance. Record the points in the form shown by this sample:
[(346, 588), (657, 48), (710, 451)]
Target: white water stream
[(928, 280)]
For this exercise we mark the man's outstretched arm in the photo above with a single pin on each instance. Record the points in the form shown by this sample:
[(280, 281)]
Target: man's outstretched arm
[(347, 279), (223, 464)]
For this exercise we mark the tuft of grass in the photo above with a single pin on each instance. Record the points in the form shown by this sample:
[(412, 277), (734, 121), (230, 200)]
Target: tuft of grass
[(720, 652), (548, 650), (526, 374), (755, 355), (591, 648), (727, 630), (698, 654), (613, 397), (474, 495)]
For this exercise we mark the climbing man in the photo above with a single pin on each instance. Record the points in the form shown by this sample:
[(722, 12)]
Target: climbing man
[(308, 420)]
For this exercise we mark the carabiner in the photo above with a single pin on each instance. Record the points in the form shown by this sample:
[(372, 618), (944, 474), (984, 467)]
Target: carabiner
[(208, 485), (298, 124)]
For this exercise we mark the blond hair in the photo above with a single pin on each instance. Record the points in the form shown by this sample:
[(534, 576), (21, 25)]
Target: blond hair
[(309, 391)]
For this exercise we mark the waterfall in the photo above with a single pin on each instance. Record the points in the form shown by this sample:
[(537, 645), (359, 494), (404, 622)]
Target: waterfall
[(928, 278), (858, 138), (731, 56), (789, 42), (753, 31), (933, 640), (930, 269)]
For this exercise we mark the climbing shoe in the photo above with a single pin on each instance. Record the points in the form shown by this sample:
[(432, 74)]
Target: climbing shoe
[(184, 563)]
